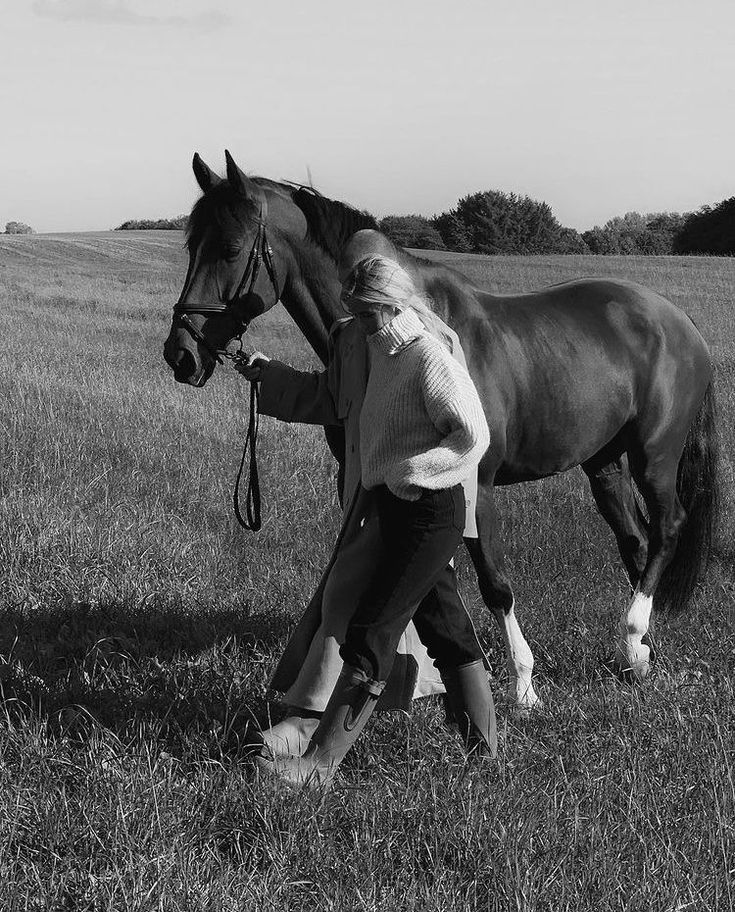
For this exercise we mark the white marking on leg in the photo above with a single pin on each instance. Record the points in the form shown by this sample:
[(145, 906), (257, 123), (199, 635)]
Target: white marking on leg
[(520, 664), (630, 653)]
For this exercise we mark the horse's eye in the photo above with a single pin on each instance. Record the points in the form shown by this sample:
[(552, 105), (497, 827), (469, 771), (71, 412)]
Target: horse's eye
[(232, 253)]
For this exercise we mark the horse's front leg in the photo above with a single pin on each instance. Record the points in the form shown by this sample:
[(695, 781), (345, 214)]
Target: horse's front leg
[(498, 596)]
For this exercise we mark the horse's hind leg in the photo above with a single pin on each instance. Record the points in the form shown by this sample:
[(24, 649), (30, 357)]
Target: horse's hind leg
[(498, 596), (612, 487), (655, 472)]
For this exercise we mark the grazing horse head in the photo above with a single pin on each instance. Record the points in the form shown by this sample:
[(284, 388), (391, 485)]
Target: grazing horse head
[(234, 273)]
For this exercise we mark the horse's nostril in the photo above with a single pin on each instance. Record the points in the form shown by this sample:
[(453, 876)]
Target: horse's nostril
[(181, 361), (185, 366)]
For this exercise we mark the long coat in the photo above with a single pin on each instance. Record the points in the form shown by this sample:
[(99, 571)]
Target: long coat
[(310, 665)]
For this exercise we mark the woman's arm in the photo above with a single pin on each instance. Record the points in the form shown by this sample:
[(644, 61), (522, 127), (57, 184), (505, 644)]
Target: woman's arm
[(455, 410), (292, 395)]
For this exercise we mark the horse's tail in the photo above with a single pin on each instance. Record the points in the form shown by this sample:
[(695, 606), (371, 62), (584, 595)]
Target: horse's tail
[(697, 488)]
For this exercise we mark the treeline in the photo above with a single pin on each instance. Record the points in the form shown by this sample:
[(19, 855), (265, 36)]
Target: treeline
[(492, 222), (172, 224)]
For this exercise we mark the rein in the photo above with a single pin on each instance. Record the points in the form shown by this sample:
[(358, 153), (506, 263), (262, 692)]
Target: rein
[(260, 253), (252, 497)]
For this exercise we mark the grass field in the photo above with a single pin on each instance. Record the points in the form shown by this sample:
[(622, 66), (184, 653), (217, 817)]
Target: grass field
[(139, 624)]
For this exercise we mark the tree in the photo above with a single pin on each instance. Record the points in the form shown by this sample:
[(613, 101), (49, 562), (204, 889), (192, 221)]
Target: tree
[(571, 241), (633, 233), (171, 224), (411, 231), (710, 230), (496, 222), (663, 229), (619, 235), (18, 228), (453, 232)]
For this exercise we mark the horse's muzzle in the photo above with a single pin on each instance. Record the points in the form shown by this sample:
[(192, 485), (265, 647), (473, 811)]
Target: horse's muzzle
[(185, 367)]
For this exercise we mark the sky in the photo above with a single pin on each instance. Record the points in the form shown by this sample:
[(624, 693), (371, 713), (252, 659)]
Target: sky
[(395, 106)]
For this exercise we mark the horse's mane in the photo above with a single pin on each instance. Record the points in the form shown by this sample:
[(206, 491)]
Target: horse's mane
[(330, 223)]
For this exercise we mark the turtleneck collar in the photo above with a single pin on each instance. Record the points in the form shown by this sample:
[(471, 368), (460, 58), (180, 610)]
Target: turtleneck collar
[(401, 331)]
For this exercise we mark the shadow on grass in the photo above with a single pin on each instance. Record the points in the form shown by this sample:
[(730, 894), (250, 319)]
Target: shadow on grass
[(194, 682)]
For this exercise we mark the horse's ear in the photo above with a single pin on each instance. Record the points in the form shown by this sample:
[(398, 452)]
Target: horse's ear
[(238, 179), (206, 178)]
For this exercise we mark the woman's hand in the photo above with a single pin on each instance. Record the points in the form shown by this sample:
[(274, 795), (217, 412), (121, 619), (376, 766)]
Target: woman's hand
[(252, 368)]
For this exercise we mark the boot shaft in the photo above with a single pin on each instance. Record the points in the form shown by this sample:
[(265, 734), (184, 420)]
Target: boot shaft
[(345, 716), (470, 701), (350, 706)]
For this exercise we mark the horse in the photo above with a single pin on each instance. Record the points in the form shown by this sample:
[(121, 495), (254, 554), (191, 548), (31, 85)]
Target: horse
[(599, 373)]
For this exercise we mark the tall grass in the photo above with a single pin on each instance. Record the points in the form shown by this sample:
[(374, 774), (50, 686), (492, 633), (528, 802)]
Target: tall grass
[(138, 627)]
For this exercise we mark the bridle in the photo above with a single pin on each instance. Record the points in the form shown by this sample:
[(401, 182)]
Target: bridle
[(260, 253)]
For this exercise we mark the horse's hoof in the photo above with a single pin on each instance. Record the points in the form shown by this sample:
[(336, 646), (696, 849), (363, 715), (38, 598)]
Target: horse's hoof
[(632, 669), (524, 713), (523, 704)]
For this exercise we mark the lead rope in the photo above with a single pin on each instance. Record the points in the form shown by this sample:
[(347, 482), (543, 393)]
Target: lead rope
[(252, 497), (261, 251)]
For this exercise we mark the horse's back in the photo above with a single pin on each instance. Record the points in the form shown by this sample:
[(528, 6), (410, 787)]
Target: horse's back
[(565, 369), (612, 320), (594, 304)]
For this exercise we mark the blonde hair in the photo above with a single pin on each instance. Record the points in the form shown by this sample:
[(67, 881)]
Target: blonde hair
[(379, 281)]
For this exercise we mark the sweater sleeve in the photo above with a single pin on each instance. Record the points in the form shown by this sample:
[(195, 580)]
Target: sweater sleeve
[(454, 407), (297, 396)]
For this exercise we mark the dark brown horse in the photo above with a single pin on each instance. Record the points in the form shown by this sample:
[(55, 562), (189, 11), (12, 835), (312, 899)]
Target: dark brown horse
[(598, 373)]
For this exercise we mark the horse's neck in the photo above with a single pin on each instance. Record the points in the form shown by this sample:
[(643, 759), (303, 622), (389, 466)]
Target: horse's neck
[(311, 294), (449, 294), (452, 297), (311, 297)]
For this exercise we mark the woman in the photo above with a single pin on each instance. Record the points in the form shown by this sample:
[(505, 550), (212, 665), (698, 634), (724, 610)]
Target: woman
[(422, 431)]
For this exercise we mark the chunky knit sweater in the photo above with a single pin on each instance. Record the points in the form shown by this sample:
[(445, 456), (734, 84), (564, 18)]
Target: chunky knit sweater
[(421, 425)]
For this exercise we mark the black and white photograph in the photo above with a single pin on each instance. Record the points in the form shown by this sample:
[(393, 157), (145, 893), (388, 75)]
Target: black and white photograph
[(367, 447)]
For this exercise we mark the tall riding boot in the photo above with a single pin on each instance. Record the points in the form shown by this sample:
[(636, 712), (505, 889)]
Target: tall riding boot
[(350, 706), (471, 703)]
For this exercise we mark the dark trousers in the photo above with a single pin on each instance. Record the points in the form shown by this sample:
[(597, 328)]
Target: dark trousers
[(420, 537)]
